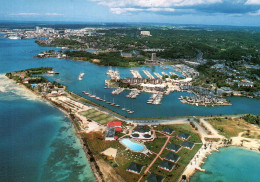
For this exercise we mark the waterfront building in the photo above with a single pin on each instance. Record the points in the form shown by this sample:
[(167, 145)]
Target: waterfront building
[(166, 165), (154, 178), (135, 168)]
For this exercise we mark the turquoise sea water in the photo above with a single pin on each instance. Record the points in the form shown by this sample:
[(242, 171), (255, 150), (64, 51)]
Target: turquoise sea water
[(231, 164), (37, 140)]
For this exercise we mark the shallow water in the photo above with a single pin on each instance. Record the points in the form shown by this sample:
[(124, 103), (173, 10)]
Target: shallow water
[(231, 164), (38, 143)]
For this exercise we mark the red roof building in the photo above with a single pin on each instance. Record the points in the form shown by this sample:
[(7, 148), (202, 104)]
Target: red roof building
[(116, 124)]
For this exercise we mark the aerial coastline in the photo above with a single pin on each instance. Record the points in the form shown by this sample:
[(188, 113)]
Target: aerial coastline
[(191, 167)]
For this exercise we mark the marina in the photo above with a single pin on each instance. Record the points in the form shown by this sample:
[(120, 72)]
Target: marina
[(118, 91), (158, 75), (148, 74), (133, 94), (136, 74)]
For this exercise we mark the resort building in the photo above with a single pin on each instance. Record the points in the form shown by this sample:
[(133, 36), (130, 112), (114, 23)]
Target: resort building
[(172, 157), (142, 132), (154, 178), (110, 135), (188, 145), (166, 165), (183, 136), (116, 124), (173, 147), (135, 168), (169, 131)]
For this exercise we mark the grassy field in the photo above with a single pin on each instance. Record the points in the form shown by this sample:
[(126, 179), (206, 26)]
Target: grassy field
[(125, 157), (98, 116), (186, 128), (231, 127)]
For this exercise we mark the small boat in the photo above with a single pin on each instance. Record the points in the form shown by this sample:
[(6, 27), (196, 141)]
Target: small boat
[(52, 72), (117, 105), (81, 76)]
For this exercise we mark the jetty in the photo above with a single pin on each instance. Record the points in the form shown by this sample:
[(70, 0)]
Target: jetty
[(133, 94), (114, 74), (148, 74), (165, 74), (136, 74), (155, 99), (158, 75), (118, 91)]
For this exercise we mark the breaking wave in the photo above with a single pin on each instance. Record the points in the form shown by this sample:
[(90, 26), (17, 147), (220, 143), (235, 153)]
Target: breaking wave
[(9, 90)]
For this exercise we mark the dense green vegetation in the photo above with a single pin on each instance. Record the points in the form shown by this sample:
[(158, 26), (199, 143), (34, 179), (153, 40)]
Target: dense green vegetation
[(252, 119), (106, 59)]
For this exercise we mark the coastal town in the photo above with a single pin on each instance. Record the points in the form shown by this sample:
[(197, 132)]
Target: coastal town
[(125, 149)]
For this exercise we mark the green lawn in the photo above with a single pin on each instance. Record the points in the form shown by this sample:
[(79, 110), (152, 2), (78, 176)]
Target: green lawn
[(98, 116)]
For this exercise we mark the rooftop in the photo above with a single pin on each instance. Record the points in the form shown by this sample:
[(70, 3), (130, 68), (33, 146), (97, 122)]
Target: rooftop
[(134, 167), (154, 178), (167, 165), (172, 157)]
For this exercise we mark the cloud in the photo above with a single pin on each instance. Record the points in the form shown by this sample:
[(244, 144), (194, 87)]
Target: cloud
[(254, 2), (177, 7), (36, 14), (125, 10)]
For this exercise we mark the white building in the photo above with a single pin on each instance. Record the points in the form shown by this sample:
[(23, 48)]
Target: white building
[(146, 33)]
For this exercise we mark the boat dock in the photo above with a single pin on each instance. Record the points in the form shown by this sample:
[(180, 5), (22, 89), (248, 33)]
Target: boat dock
[(114, 74), (118, 91), (164, 74), (158, 75), (135, 74), (155, 99), (133, 94), (172, 73), (148, 74)]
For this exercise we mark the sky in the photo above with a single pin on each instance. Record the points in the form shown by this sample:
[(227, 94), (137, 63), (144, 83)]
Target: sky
[(209, 12)]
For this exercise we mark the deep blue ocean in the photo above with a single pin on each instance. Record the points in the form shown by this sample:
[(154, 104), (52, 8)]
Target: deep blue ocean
[(38, 143)]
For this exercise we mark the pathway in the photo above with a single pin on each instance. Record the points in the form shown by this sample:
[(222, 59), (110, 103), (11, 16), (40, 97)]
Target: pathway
[(158, 155)]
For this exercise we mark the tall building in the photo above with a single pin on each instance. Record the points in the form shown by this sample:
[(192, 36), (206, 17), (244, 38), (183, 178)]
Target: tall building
[(37, 29), (153, 58)]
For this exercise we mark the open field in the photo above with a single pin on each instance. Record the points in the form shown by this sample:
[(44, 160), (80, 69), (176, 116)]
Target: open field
[(98, 116), (231, 127)]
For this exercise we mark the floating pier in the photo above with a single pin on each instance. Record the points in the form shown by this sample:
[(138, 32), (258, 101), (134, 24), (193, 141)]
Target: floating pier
[(118, 91), (133, 94), (135, 74), (158, 75), (148, 74)]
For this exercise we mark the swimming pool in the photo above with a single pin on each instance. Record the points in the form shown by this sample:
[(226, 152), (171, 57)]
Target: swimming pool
[(132, 145)]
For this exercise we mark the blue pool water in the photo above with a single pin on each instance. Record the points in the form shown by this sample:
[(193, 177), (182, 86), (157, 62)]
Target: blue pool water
[(231, 164), (132, 145)]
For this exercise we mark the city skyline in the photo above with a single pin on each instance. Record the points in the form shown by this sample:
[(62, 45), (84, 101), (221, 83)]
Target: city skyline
[(208, 12)]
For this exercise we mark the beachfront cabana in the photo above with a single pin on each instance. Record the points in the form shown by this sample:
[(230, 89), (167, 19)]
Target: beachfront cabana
[(188, 145), (168, 130), (183, 136), (172, 157), (154, 178), (173, 147), (135, 168), (166, 165)]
